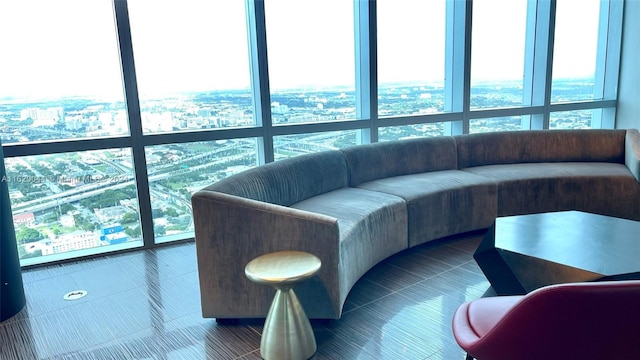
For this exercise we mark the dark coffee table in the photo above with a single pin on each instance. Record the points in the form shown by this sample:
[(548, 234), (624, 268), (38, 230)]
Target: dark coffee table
[(525, 252)]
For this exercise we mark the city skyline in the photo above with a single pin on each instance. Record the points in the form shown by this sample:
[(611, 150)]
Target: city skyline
[(179, 50), (195, 74), (87, 201)]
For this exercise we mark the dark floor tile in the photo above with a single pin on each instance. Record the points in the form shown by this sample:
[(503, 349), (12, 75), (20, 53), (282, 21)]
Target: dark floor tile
[(20, 339), (254, 355), (377, 333), (419, 323), (176, 296), (364, 292), (146, 305), (191, 338), (441, 252), (466, 242), (178, 260), (71, 330), (106, 351), (392, 277), (419, 264), (50, 271), (47, 295), (112, 279), (331, 346)]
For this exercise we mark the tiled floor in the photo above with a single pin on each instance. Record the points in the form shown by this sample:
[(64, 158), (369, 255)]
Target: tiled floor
[(146, 305)]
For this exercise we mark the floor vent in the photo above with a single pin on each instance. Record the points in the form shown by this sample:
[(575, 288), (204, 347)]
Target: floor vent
[(75, 295)]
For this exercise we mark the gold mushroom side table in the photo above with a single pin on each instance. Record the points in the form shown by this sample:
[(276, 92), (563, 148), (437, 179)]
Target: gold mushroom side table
[(287, 332)]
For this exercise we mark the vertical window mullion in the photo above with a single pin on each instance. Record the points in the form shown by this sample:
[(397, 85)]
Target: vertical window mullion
[(458, 64), (366, 69), (549, 62), (607, 61), (121, 14), (536, 56), (260, 77)]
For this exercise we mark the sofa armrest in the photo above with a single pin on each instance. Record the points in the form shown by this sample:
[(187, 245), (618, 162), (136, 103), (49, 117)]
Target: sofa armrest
[(230, 231), (632, 152)]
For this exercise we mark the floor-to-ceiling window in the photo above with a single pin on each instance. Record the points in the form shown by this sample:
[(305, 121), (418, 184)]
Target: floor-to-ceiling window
[(113, 112), (193, 73), (411, 66), (72, 190)]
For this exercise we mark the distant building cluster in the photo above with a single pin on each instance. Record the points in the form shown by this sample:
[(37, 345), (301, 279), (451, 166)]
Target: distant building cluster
[(26, 219), (113, 213), (43, 187), (78, 240), (43, 117)]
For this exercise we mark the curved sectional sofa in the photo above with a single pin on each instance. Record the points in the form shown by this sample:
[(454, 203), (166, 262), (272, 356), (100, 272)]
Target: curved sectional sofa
[(357, 206)]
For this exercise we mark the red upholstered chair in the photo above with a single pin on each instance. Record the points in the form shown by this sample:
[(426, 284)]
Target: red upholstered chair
[(595, 320)]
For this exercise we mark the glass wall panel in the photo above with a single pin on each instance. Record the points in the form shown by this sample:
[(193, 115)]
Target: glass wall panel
[(311, 60), (575, 119), (390, 133), (411, 35), (505, 123), (497, 53), (286, 146), (60, 72), (61, 80), (574, 51), (192, 64), (176, 171), (73, 204)]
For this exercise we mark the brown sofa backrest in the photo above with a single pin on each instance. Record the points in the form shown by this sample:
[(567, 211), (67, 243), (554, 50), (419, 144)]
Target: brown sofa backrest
[(286, 182), (540, 146), (395, 158)]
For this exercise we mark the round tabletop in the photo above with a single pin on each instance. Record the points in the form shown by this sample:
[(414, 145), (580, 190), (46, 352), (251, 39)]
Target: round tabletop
[(282, 267)]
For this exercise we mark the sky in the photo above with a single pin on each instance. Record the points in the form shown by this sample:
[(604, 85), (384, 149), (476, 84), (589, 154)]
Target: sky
[(69, 47)]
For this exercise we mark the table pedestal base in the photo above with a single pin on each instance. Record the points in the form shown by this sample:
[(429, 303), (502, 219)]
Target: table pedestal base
[(287, 332)]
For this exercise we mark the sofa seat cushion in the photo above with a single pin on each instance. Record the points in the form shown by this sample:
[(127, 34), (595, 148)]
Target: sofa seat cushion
[(372, 227), (598, 187), (442, 203)]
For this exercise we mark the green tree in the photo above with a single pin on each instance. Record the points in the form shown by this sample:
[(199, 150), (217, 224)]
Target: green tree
[(65, 208), (156, 213), (130, 217), (133, 232), (171, 212), (23, 254), (160, 229), (27, 235)]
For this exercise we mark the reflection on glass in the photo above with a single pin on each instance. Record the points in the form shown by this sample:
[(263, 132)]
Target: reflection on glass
[(576, 119), (411, 57), (176, 171), (311, 60), (60, 71), (497, 59), (505, 123), (574, 50), (391, 133), (286, 146), (73, 204), (192, 64)]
